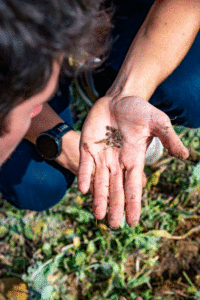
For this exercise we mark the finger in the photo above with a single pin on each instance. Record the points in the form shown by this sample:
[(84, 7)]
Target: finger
[(116, 198), (133, 194), (133, 159), (165, 132), (101, 187), (122, 298), (86, 166)]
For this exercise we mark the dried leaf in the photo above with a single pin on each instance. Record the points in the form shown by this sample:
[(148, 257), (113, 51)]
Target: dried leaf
[(13, 288)]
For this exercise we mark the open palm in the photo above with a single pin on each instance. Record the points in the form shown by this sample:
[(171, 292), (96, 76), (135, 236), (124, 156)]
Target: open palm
[(114, 140)]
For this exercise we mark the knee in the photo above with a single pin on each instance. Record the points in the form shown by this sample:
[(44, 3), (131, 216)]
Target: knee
[(48, 190), (39, 191)]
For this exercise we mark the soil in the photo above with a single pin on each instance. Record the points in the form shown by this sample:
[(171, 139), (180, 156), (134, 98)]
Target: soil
[(175, 258), (178, 257), (114, 137)]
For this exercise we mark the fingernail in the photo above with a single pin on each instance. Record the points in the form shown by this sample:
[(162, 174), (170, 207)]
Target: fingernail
[(182, 155), (113, 227), (133, 223)]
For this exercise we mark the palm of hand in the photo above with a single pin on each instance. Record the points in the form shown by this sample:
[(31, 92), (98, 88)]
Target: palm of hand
[(116, 156)]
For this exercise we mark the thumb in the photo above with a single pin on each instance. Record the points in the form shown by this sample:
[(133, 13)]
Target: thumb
[(170, 140)]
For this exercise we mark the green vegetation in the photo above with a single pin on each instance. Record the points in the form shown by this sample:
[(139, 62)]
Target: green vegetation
[(64, 253)]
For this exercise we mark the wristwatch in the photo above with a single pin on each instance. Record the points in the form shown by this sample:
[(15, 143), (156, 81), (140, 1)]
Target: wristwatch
[(49, 143)]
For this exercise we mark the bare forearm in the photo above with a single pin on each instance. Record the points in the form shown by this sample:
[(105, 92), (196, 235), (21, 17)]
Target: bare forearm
[(160, 45), (47, 119)]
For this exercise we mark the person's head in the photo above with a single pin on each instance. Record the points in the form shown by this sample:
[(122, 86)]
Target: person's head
[(37, 38)]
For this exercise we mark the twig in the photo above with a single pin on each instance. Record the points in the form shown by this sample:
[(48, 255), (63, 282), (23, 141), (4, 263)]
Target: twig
[(5, 260), (167, 235)]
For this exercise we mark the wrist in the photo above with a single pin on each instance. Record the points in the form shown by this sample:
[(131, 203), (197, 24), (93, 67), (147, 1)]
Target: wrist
[(142, 82), (49, 143), (69, 157)]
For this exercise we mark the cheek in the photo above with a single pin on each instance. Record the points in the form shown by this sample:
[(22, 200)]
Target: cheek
[(10, 141), (18, 129)]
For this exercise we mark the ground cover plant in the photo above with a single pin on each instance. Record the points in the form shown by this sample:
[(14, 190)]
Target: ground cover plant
[(64, 253)]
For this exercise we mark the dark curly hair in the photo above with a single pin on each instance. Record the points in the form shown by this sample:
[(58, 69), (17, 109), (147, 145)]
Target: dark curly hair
[(34, 32)]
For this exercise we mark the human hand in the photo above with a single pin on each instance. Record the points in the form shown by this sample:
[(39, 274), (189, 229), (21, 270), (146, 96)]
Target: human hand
[(69, 157), (119, 163)]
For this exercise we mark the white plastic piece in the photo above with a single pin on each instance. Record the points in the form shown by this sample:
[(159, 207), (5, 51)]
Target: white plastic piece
[(154, 151)]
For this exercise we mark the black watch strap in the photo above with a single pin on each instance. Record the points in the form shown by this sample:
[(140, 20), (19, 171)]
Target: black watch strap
[(59, 130)]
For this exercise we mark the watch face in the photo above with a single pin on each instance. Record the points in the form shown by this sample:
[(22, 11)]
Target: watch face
[(47, 147)]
